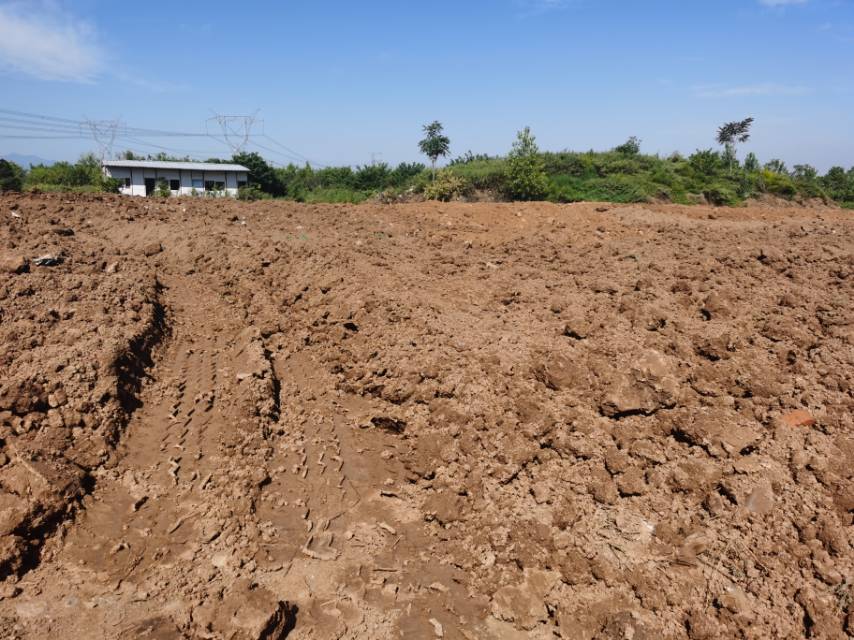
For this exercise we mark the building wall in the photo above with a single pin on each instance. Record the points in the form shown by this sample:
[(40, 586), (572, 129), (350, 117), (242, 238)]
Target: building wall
[(188, 181)]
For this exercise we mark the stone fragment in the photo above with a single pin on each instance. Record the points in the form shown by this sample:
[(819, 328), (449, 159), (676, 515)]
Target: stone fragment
[(761, 499), (152, 249)]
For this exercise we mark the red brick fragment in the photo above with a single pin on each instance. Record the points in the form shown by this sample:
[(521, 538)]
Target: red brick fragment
[(798, 418)]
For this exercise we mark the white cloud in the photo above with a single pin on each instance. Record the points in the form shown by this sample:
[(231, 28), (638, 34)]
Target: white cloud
[(41, 40), (538, 7), (750, 90), (781, 3)]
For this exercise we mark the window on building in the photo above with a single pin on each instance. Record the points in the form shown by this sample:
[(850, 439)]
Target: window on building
[(127, 183), (174, 185), (214, 185), (198, 183), (241, 184)]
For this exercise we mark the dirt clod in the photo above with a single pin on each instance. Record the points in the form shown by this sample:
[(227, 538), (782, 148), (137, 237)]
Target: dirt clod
[(424, 420)]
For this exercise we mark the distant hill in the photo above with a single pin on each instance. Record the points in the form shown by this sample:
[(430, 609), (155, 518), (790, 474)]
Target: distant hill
[(24, 160)]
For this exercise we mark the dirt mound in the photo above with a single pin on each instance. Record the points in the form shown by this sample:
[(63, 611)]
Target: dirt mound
[(75, 336), (425, 420)]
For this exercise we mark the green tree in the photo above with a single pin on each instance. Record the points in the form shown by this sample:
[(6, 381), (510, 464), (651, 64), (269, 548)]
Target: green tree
[(836, 183), (705, 162), (804, 173), (731, 134), (435, 143), (11, 176), (630, 147), (751, 163), (777, 166), (261, 174), (526, 172), (372, 176)]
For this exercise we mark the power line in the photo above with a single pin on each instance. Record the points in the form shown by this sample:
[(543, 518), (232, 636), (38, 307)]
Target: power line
[(34, 119), (293, 158), (30, 137), (296, 153), (172, 150), (236, 134)]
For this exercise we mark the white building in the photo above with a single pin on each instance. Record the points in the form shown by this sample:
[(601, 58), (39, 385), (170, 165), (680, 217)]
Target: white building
[(146, 177)]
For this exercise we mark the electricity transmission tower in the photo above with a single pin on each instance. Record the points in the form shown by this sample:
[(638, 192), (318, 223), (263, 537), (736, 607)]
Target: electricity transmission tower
[(236, 130), (104, 134)]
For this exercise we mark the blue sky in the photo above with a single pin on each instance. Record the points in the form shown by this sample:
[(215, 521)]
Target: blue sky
[(339, 81)]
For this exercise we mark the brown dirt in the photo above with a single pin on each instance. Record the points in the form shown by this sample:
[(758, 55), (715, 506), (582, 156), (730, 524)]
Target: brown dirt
[(268, 420)]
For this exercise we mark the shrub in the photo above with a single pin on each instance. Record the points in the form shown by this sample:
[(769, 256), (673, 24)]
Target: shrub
[(776, 166), (563, 188), (706, 162), (404, 173), (163, 189), (261, 174), (336, 177), (751, 162), (807, 181), (721, 195), (372, 177), (779, 184), (110, 185), (446, 186), (526, 171), (11, 176), (570, 163), (252, 192), (487, 175), (335, 195), (619, 166), (468, 157), (86, 172), (836, 183), (624, 189)]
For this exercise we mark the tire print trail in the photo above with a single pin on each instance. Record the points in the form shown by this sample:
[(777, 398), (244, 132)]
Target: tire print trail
[(152, 513), (199, 531)]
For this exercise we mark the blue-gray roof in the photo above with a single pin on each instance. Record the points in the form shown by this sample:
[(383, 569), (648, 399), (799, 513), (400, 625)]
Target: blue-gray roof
[(186, 166)]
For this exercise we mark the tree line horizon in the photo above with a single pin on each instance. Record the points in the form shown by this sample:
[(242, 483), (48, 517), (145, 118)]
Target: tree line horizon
[(621, 174)]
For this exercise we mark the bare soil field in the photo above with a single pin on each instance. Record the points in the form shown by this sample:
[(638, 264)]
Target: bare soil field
[(268, 420)]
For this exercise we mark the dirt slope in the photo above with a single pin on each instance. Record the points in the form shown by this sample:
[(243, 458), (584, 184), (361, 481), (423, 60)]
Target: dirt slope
[(268, 420)]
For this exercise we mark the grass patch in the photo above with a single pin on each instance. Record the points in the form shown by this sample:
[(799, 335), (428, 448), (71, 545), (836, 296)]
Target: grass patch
[(335, 195)]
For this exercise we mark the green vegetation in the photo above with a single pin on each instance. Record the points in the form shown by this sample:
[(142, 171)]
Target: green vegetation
[(731, 134), (447, 186), (525, 178), (435, 143), (624, 174), (11, 176), (83, 176), (162, 188)]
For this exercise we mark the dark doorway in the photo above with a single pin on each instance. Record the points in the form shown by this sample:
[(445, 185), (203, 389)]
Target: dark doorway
[(149, 186)]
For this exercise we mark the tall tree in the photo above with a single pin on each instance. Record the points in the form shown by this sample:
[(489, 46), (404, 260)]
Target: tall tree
[(435, 143), (731, 134)]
